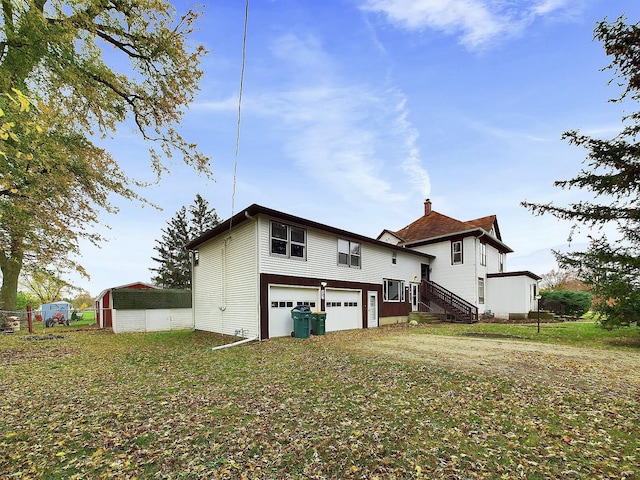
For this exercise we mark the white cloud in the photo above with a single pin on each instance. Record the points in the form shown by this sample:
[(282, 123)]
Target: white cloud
[(225, 105), (352, 138), (478, 22)]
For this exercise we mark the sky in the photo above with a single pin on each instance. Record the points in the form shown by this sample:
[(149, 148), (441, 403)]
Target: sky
[(355, 111)]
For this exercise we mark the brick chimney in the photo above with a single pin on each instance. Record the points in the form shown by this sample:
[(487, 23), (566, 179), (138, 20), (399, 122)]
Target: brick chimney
[(427, 207)]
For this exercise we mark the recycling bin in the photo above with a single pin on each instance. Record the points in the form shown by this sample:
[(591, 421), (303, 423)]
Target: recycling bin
[(318, 323), (301, 316)]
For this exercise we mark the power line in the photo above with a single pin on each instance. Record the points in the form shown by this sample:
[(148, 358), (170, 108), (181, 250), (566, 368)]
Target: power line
[(244, 56)]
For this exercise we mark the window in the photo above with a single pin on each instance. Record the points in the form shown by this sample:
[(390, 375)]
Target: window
[(289, 304), (456, 252), (501, 263), (348, 253), (394, 258), (393, 290), (481, 290), (483, 254), (288, 241)]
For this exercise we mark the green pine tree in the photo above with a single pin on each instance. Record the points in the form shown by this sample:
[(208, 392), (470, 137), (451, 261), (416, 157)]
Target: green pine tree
[(610, 267), (174, 269)]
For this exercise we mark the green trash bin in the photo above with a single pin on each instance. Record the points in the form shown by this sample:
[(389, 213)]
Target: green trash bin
[(318, 321), (301, 316)]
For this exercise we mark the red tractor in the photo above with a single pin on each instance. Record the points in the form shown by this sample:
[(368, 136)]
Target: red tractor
[(58, 318)]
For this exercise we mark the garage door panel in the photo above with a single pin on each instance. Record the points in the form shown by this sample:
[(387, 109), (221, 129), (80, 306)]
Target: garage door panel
[(344, 309), (282, 300)]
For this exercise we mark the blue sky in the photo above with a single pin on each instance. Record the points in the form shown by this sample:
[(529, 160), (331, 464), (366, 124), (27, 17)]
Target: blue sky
[(355, 111)]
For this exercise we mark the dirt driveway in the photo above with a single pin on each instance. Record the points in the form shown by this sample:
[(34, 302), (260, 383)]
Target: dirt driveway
[(610, 371)]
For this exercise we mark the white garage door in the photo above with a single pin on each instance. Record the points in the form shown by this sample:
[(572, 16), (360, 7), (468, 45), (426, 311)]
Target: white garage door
[(344, 309), (282, 300)]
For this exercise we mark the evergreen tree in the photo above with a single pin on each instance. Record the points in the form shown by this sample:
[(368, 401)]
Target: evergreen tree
[(203, 218), (174, 270), (610, 267)]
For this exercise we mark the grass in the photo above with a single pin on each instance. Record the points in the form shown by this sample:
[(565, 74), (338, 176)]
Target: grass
[(579, 334), (98, 405)]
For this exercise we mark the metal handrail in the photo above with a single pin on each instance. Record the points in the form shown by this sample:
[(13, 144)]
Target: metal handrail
[(449, 300)]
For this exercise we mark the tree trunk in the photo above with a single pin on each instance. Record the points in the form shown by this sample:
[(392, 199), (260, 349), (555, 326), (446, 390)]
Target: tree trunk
[(9, 290), (11, 266)]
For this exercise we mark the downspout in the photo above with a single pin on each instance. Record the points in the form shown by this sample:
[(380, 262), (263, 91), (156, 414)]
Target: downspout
[(193, 290), (476, 259), (257, 270), (239, 342)]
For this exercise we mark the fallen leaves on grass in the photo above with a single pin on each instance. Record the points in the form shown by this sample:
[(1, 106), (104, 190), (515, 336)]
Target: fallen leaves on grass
[(164, 406)]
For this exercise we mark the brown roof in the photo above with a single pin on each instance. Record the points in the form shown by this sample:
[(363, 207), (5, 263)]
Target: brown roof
[(487, 223), (434, 225)]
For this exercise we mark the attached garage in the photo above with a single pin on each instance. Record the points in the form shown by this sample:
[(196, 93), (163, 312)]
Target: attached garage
[(282, 299), (344, 309)]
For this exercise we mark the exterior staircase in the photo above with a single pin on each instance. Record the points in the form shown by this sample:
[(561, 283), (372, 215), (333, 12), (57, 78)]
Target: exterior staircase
[(454, 306)]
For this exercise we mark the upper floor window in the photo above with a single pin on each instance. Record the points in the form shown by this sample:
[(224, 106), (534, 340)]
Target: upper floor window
[(288, 241), (456, 252), (483, 254), (393, 290), (501, 263), (394, 258), (348, 253)]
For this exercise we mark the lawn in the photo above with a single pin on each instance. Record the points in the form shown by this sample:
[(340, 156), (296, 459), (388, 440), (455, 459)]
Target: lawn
[(97, 405)]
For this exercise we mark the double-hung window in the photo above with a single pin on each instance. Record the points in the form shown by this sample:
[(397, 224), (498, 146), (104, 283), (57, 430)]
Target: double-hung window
[(288, 241), (456, 252), (481, 290), (349, 253), (483, 254), (393, 290)]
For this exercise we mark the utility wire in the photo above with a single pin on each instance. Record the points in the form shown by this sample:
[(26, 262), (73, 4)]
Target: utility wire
[(244, 56)]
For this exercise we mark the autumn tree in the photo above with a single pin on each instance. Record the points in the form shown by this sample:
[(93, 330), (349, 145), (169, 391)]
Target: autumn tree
[(48, 286), (554, 280), (26, 299), (82, 301), (89, 68), (610, 267), (174, 270)]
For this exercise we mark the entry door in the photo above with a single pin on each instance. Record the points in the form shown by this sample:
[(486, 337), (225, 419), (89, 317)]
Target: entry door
[(415, 296), (372, 309)]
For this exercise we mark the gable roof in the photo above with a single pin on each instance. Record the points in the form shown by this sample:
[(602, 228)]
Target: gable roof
[(255, 209), (435, 227)]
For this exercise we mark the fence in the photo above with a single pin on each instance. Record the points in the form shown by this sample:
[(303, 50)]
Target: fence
[(16, 320)]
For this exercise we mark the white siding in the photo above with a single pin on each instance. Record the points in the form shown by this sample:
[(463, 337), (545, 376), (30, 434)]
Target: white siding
[(226, 283), (510, 294), (388, 238), (181, 319), (322, 260), (460, 279), (129, 321)]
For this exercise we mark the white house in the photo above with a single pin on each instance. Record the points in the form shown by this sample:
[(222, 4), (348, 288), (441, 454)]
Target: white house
[(251, 270), (469, 260)]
